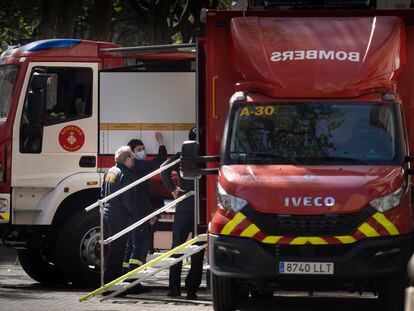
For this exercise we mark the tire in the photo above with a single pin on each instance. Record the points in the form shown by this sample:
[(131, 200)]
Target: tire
[(78, 250), (223, 291), (392, 293), (39, 268)]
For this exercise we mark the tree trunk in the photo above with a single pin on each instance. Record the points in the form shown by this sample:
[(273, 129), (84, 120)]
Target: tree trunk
[(68, 11), (101, 30), (160, 30), (48, 22), (58, 18)]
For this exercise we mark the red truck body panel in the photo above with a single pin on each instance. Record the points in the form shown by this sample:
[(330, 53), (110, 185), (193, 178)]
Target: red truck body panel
[(240, 46)]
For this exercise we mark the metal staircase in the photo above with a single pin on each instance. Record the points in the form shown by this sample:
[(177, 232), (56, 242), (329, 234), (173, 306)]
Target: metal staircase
[(149, 269)]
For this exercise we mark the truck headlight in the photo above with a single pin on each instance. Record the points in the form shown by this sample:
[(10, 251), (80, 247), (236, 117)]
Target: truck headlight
[(228, 201), (388, 201), (3, 205)]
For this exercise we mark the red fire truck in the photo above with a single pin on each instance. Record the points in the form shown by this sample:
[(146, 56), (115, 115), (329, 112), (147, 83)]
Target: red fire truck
[(66, 106), (312, 119)]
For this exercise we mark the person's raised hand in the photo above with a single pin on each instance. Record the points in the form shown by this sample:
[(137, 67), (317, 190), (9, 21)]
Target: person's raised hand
[(176, 192), (159, 138)]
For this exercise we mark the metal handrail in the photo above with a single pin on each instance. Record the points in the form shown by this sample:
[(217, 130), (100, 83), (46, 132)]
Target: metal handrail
[(148, 217), (102, 201), (131, 185)]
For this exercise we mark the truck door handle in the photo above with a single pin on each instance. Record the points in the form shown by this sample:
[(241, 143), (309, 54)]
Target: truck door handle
[(87, 161)]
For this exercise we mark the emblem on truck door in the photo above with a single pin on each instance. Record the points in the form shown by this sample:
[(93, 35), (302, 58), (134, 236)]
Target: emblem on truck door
[(309, 201), (71, 138)]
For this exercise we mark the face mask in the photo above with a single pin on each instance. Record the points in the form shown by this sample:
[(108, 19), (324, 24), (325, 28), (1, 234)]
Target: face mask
[(140, 155)]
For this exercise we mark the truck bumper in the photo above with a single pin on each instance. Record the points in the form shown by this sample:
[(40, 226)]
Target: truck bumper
[(372, 258)]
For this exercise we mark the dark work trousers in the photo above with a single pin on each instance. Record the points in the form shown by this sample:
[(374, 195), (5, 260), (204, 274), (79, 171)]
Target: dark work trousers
[(183, 225), (115, 222), (137, 247)]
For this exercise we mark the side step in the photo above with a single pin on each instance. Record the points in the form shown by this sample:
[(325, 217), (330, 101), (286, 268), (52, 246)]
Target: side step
[(150, 268)]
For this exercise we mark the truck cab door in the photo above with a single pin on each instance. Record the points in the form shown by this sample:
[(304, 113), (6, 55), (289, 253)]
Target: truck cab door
[(55, 132)]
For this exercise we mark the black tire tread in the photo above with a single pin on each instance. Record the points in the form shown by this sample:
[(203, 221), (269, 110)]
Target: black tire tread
[(223, 292), (38, 268), (68, 246)]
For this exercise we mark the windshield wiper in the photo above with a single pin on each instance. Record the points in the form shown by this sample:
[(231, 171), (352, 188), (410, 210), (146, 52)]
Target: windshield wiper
[(339, 159)]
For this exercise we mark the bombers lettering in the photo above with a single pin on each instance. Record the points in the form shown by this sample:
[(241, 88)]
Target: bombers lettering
[(315, 54), (309, 201)]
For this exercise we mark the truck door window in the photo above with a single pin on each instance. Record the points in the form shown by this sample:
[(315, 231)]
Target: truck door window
[(66, 96), (69, 94), (8, 78)]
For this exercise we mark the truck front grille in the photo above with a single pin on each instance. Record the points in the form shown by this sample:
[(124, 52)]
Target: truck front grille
[(307, 225)]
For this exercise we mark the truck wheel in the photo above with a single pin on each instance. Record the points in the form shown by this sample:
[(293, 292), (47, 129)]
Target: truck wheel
[(224, 298), (39, 268), (78, 249), (392, 294)]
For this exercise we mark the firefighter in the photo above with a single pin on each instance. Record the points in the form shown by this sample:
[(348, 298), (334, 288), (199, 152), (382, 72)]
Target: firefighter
[(139, 239), (119, 210), (182, 227)]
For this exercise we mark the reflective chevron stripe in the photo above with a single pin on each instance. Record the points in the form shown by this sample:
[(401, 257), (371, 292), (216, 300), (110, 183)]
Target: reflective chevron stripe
[(369, 232), (241, 226), (346, 239), (250, 231), (272, 239), (388, 225), (238, 218), (5, 216)]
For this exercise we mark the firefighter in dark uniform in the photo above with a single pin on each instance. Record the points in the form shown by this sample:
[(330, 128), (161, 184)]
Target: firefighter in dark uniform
[(182, 227), (139, 239), (119, 210)]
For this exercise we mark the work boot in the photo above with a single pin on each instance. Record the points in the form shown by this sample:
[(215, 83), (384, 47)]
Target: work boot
[(192, 295), (174, 292)]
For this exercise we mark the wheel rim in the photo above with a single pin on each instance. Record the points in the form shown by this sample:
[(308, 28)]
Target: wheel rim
[(90, 249)]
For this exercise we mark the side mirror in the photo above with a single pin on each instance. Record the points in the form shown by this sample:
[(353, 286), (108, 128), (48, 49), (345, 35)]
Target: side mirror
[(192, 164), (408, 159), (38, 81), (188, 165), (37, 98)]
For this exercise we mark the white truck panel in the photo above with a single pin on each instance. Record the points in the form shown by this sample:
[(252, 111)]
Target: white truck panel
[(134, 105), (46, 201)]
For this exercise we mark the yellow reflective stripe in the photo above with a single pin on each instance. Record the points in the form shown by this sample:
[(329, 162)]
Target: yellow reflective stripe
[(250, 231), (233, 223), (6, 217), (368, 230), (125, 265), (346, 239), (272, 239), (135, 262), (317, 240), (299, 241), (388, 225), (313, 240)]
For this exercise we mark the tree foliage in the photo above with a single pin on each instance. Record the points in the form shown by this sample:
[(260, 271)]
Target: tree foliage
[(127, 22)]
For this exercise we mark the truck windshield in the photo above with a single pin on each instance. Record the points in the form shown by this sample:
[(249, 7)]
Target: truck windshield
[(8, 78), (317, 133)]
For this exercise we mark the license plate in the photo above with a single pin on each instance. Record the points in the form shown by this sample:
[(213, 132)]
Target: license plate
[(291, 267)]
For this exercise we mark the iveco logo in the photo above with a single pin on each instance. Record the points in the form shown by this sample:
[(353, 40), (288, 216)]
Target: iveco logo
[(309, 201)]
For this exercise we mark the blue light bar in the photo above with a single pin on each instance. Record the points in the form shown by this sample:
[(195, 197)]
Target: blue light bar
[(51, 44)]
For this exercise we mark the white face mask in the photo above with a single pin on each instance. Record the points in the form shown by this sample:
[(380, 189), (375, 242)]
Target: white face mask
[(140, 155)]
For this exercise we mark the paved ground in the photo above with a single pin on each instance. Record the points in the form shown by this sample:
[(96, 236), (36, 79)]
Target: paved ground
[(19, 292)]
